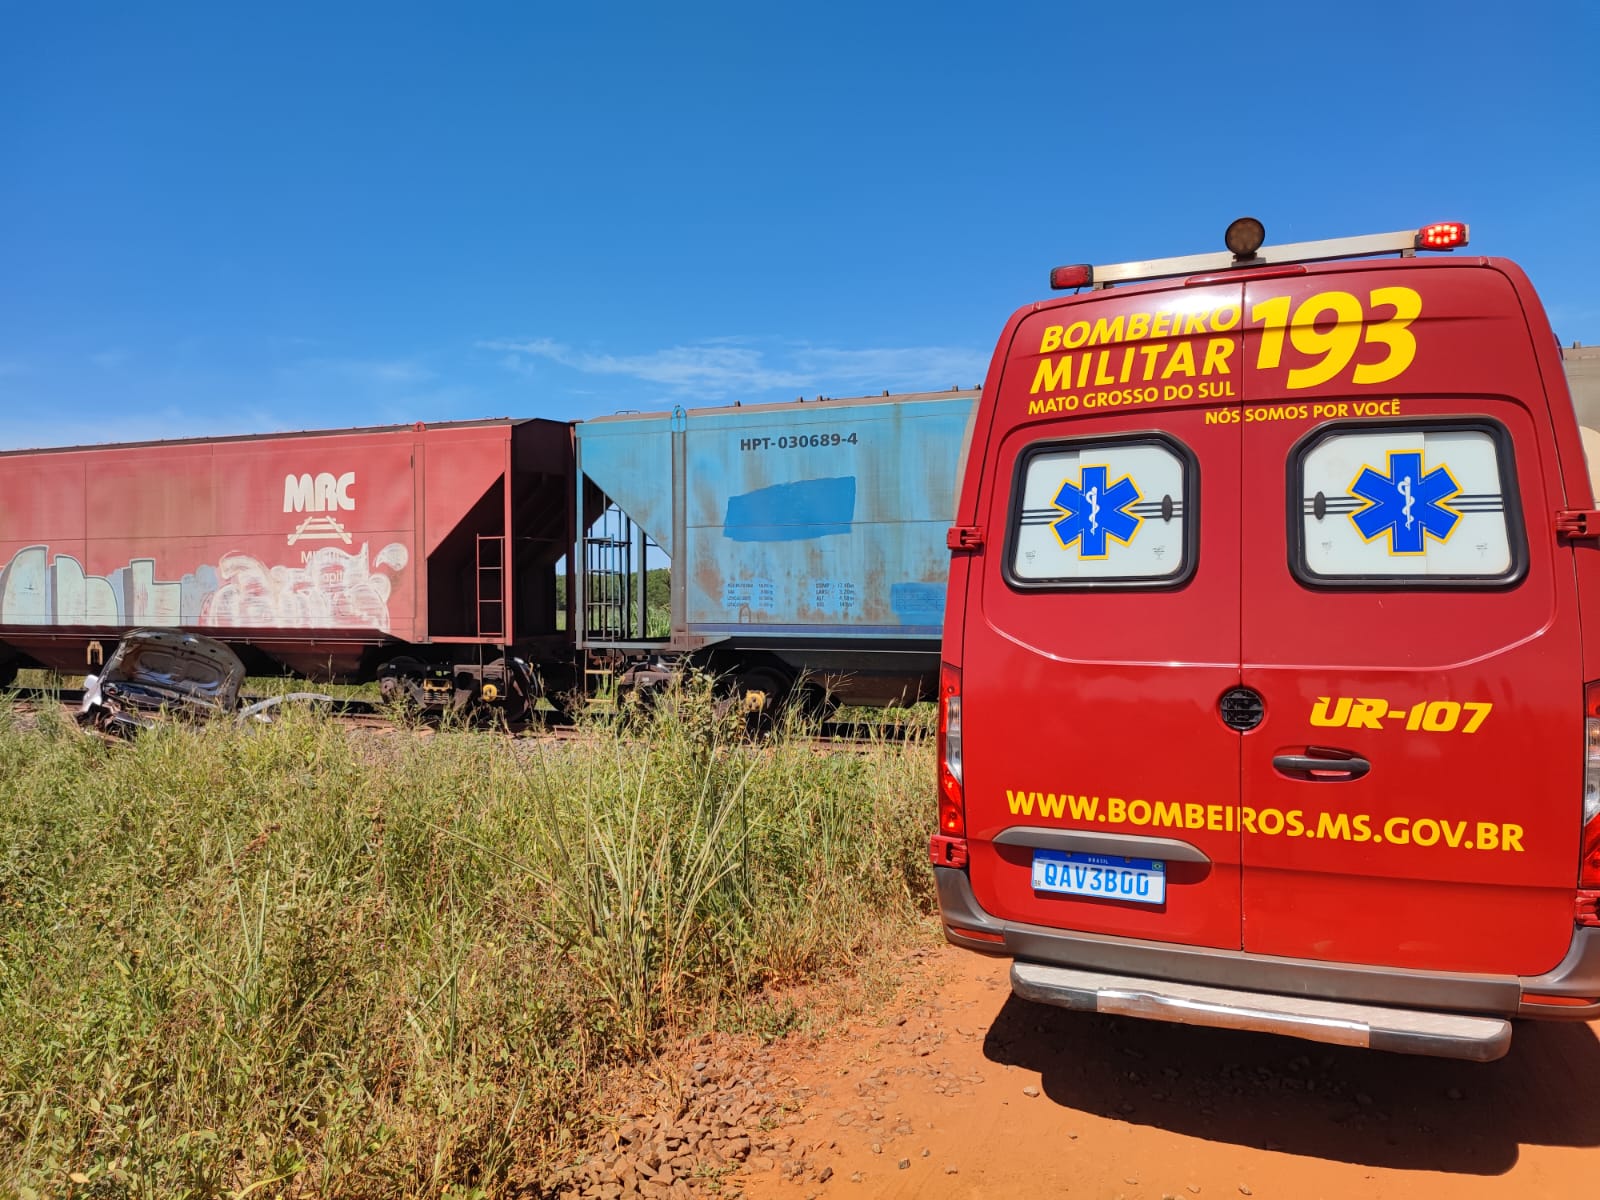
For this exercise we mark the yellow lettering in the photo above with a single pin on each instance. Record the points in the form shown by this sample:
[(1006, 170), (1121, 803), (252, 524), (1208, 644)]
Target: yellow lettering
[(1480, 713), (1273, 315), (1336, 344), (1365, 713), (1511, 837), (1053, 375), (1100, 376), (1181, 362), (1320, 715), (1194, 323), (1333, 825), (1169, 815), (1488, 835), (1021, 802), (1217, 352), (1105, 332), (1394, 332), (1162, 325), (1084, 808), (1052, 806), (1151, 353), (1051, 339), (1138, 326), (1075, 335)]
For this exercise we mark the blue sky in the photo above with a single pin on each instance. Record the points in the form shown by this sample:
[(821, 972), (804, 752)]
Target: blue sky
[(219, 219)]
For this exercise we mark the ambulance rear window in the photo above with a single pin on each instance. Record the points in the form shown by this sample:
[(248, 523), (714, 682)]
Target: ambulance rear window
[(1103, 512), (1407, 505)]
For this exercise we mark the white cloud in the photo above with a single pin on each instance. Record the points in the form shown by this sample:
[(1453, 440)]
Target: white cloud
[(724, 366)]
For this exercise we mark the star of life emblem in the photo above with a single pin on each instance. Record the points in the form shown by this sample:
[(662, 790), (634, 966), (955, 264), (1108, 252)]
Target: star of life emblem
[(1407, 503), (1094, 510)]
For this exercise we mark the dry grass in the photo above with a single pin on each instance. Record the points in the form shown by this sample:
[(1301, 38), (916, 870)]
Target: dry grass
[(270, 961)]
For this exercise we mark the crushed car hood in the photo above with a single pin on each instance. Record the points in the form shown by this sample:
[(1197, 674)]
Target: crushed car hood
[(155, 667)]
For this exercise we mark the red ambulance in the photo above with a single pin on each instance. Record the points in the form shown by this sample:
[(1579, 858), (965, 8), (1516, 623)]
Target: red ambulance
[(1266, 699)]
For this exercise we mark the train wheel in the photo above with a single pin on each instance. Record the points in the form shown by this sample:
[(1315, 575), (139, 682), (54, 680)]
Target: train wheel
[(507, 690), (762, 694)]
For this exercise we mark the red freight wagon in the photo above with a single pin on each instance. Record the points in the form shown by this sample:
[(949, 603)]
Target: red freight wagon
[(326, 554)]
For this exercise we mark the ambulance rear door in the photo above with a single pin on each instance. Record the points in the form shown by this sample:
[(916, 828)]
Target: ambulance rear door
[(1411, 795), (1102, 628)]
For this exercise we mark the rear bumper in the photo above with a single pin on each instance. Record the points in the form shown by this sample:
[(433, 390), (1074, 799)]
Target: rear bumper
[(1403, 1030), (1570, 991)]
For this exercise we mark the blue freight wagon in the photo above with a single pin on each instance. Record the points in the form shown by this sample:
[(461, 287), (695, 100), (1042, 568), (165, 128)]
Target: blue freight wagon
[(805, 541)]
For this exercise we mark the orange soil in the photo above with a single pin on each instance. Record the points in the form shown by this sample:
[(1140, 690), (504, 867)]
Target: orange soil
[(984, 1095)]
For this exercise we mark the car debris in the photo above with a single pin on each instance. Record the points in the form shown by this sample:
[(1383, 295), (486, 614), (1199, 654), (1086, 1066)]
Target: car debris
[(165, 674)]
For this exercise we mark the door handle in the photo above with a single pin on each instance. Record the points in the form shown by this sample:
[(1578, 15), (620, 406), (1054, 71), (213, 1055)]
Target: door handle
[(1320, 765)]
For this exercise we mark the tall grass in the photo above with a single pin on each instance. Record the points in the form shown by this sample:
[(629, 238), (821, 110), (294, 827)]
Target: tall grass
[(290, 959)]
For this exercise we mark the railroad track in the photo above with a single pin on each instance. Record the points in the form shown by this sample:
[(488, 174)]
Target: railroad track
[(73, 697), (365, 714)]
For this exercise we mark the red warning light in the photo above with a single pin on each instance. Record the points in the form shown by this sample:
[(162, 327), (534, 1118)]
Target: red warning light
[(1442, 235), (1081, 275)]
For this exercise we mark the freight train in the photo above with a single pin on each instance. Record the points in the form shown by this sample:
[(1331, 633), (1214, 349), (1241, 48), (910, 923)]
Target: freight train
[(494, 562)]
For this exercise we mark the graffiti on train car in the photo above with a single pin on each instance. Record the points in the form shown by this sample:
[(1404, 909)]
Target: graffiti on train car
[(330, 588)]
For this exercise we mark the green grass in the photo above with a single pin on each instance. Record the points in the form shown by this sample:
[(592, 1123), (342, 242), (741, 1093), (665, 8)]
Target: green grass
[(290, 960)]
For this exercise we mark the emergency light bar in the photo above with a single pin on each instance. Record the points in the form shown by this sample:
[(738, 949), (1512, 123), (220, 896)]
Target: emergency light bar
[(1246, 251)]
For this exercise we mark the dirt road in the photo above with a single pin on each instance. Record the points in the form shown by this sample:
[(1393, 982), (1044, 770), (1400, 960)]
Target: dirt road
[(961, 1090)]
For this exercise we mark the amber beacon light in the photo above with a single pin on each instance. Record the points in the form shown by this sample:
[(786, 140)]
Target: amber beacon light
[(1244, 238)]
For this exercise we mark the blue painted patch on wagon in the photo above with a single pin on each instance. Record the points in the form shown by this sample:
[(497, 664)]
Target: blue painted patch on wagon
[(792, 512), (917, 603)]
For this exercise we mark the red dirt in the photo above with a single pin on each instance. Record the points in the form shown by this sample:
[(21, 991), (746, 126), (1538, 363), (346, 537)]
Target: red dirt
[(980, 1094)]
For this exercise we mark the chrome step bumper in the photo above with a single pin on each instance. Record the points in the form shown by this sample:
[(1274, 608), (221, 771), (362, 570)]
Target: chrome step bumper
[(1404, 1031)]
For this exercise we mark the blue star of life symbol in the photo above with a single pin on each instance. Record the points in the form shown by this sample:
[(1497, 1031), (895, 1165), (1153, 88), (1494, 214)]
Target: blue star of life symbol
[(1408, 503), (1095, 509)]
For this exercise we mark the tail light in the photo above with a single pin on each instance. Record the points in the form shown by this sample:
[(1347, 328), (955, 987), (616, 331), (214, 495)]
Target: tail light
[(952, 804), (949, 845), (1589, 869)]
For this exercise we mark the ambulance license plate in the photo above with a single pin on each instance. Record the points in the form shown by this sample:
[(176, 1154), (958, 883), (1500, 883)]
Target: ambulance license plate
[(1138, 880)]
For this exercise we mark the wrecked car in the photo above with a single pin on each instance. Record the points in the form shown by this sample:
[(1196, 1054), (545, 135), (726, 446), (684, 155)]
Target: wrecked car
[(160, 674)]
